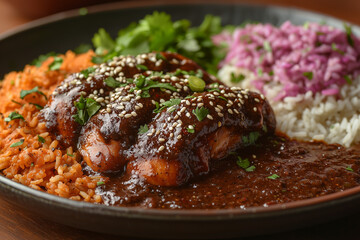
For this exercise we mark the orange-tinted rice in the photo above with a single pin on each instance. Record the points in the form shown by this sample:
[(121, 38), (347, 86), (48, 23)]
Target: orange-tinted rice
[(42, 166)]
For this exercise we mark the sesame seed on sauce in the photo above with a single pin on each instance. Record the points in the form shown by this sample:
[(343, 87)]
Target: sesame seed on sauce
[(161, 148)]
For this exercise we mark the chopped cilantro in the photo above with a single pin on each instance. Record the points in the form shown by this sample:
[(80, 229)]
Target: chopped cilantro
[(16, 102), (213, 87), (160, 56), (251, 138), (56, 64), (200, 113), (142, 67), (168, 104), (237, 78), (97, 59), (14, 115), (100, 183), (189, 97), (86, 108), (70, 155), (143, 129), (349, 169), (41, 139), (250, 169), (87, 71), (19, 143), (190, 130), (103, 42), (274, 176), (82, 48), (24, 93), (308, 75), (38, 61), (37, 106), (111, 82), (334, 47), (243, 163)]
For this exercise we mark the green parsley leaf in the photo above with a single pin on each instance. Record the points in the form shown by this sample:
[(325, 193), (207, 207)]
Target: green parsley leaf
[(348, 79), (349, 169), (41, 139), (87, 71), (14, 115), (243, 163), (142, 67), (200, 113), (17, 102), (97, 60), (37, 106), (152, 84), (70, 155), (19, 143), (143, 129), (267, 46), (250, 169), (189, 97), (38, 61), (237, 78), (274, 176), (111, 82), (334, 47), (103, 42), (56, 64), (86, 108), (100, 183), (308, 75), (190, 130), (82, 48), (160, 56), (168, 104), (24, 93)]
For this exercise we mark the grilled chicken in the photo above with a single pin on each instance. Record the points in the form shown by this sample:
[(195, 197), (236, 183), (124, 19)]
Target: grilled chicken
[(150, 122)]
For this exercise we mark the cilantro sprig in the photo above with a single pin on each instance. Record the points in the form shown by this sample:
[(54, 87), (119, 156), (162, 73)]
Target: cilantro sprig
[(14, 115), (244, 163), (143, 129), (200, 113), (19, 143), (56, 64), (86, 108), (168, 104), (145, 84), (24, 93)]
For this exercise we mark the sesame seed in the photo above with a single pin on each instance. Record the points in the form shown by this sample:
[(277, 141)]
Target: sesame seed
[(149, 134), (200, 105), (191, 127), (255, 109), (219, 106), (187, 114), (178, 137), (209, 117), (161, 139), (217, 109), (100, 99), (188, 102), (128, 115), (171, 134), (161, 148), (140, 105), (174, 124), (133, 114), (108, 110), (157, 132), (220, 114), (230, 111), (236, 111), (256, 100), (153, 130), (211, 103), (183, 109)]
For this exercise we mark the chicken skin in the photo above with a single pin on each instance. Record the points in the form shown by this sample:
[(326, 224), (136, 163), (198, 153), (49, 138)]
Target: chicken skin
[(158, 116)]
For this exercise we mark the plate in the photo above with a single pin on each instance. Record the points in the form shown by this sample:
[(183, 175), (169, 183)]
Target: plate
[(66, 31)]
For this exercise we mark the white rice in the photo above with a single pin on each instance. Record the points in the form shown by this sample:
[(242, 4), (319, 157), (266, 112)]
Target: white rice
[(307, 117)]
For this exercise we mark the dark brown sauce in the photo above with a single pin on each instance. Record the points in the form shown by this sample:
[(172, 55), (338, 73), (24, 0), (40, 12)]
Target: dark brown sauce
[(306, 170)]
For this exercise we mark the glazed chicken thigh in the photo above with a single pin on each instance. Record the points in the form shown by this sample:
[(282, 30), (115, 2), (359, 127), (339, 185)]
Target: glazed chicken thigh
[(158, 116)]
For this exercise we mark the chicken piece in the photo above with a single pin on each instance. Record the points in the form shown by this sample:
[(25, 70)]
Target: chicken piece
[(179, 145), (150, 122)]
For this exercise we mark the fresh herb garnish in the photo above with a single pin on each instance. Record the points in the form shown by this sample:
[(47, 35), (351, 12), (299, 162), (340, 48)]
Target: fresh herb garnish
[(160, 56), (19, 143), (144, 83), (251, 138), (142, 67), (267, 46), (190, 130), (348, 31), (37, 106), (243, 162), (38, 61), (274, 176), (308, 75), (56, 64), (200, 113), (213, 87), (103, 42), (83, 11), (250, 169), (348, 79), (349, 169), (82, 48), (14, 115), (86, 108), (97, 59), (87, 71), (16, 102), (41, 139), (24, 93), (196, 84), (100, 183), (237, 78), (259, 72), (111, 82), (143, 129), (335, 48), (168, 104), (70, 155), (189, 97), (223, 98)]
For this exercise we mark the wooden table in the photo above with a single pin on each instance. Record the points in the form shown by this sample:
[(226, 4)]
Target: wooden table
[(17, 224)]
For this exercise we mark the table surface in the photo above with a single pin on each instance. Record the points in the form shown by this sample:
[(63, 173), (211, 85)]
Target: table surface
[(17, 224)]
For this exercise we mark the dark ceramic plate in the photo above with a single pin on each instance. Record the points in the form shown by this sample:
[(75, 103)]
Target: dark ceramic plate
[(66, 31)]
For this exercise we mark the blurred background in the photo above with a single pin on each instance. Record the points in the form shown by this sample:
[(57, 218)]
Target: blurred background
[(17, 12)]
